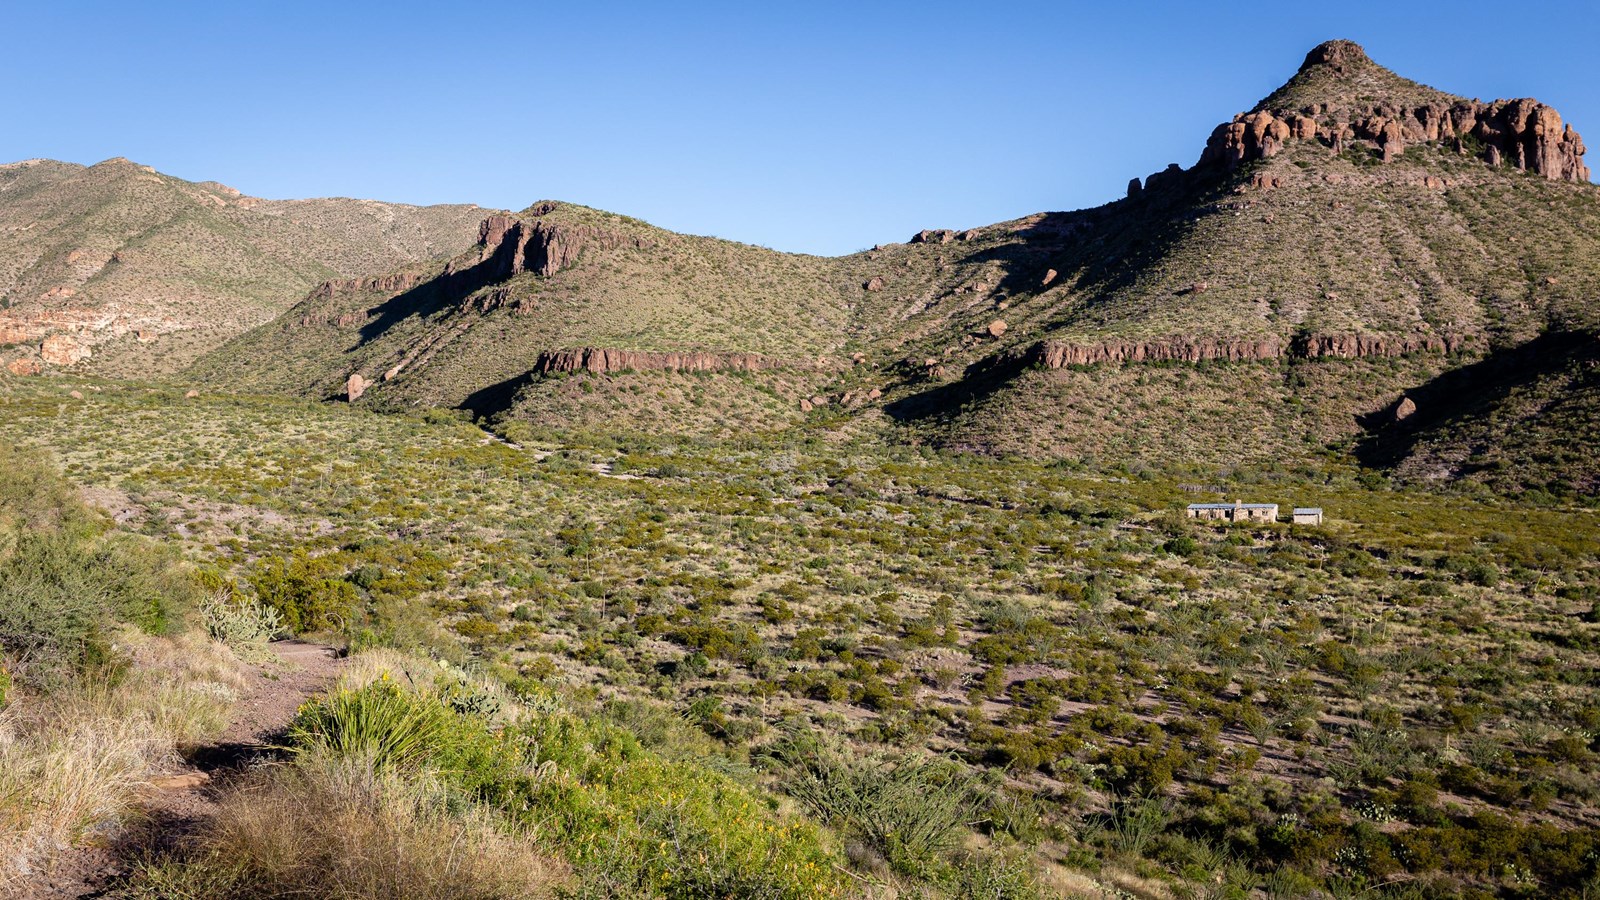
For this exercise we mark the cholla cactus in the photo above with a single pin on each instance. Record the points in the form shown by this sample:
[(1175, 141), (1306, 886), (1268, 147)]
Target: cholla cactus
[(240, 621)]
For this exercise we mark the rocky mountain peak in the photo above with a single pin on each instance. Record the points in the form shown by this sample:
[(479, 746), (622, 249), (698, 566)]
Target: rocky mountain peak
[(1344, 101), (1339, 57)]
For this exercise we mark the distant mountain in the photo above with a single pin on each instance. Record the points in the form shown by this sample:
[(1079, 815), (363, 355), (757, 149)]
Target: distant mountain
[(1335, 254), (118, 268)]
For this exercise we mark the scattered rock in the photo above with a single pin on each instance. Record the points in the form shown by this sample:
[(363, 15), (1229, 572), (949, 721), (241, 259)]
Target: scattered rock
[(191, 394), (1405, 409), (1049, 276), (875, 283), (183, 782), (76, 395), (996, 328), (933, 236)]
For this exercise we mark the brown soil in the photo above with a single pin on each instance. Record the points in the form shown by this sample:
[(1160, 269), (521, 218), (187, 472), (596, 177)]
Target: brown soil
[(179, 804)]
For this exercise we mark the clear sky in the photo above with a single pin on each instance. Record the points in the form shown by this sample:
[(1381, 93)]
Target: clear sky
[(818, 127)]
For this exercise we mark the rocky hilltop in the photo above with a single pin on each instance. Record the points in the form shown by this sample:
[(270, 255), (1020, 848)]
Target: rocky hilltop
[(121, 268)]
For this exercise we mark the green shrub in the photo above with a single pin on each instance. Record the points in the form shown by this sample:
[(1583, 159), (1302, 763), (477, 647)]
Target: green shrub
[(306, 591), (910, 809), (64, 577)]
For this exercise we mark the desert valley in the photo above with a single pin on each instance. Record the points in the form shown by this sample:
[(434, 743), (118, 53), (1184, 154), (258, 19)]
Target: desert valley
[(358, 549)]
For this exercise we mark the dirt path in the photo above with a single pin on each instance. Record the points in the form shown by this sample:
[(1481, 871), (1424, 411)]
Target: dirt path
[(180, 803)]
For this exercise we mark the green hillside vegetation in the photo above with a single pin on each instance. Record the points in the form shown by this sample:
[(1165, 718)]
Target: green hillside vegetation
[(1399, 696)]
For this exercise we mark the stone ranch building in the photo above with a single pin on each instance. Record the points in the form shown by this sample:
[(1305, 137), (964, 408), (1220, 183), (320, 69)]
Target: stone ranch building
[(1236, 511)]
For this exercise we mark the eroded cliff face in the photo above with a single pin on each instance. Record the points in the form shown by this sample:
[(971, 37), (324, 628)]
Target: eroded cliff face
[(68, 336), (530, 243), (1522, 133), (1058, 354)]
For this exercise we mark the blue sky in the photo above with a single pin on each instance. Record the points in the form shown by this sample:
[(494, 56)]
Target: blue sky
[(817, 127)]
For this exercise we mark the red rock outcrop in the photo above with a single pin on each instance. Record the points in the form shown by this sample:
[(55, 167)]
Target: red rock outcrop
[(1354, 346), (392, 283), (602, 360), (1056, 354), (27, 365), (60, 350), (1524, 133), (543, 248)]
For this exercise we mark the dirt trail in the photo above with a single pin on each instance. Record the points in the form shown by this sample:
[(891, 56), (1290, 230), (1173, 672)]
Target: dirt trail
[(180, 803)]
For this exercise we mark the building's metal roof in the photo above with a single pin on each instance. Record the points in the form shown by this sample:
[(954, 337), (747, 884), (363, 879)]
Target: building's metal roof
[(1308, 510), (1233, 506)]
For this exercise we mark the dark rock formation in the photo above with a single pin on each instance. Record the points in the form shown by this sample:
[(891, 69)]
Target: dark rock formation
[(1056, 354), (392, 283), (517, 245)]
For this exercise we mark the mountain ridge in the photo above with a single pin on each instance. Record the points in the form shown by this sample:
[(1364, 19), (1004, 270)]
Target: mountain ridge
[(1354, 230)]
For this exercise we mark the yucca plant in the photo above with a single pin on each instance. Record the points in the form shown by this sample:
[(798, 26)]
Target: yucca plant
[(382, 723)]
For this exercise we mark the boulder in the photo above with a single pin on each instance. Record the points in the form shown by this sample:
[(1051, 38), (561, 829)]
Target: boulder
[(875, 283), (996, 329), (354, 387), (1405, 409), (1049, 276), (28, 365)]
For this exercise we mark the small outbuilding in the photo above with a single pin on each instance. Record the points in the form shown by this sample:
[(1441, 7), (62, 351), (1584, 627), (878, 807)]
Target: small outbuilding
[(1237, 511), (1307, 515)]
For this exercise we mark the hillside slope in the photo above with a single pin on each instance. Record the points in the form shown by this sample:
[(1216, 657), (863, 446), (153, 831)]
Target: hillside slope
[(1324, 257), (727, 334), (119, 268), (1353, 237)]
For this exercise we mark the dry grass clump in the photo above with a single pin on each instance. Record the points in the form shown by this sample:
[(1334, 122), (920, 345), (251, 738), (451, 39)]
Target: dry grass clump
[(329, 827), (75, 761)]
